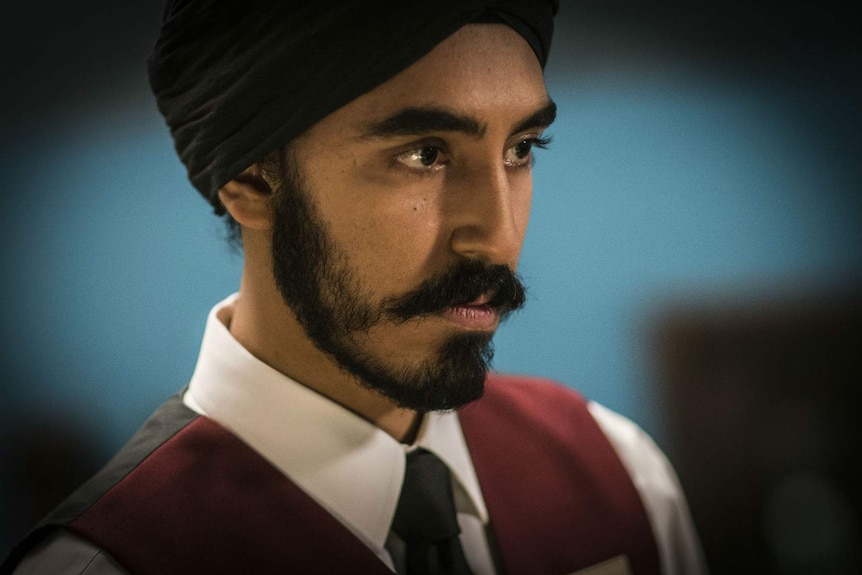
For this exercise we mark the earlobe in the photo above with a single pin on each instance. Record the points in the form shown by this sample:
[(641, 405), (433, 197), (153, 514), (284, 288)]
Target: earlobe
[(248, 199)]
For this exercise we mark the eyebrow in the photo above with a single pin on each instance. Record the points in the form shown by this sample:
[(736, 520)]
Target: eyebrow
[(542, 118), (417, 121)]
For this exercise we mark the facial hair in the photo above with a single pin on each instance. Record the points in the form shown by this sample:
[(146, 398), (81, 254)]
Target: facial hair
[(328, 299)]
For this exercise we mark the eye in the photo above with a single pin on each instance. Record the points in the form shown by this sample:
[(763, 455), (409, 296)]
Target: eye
[(424, 159), (520, 155)]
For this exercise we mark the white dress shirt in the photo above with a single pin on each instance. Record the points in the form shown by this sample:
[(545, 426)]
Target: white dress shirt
[(354, 470)]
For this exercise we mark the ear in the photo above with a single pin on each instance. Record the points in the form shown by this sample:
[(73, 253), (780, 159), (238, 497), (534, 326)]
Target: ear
[(248, 199)]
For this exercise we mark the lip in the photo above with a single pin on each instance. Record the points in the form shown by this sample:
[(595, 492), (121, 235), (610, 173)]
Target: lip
[(476, 315)]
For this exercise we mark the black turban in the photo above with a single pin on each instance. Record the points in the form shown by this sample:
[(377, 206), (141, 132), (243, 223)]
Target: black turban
[(236, 79)]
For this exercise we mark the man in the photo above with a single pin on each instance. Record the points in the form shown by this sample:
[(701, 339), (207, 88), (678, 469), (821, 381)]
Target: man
[(376, 158)]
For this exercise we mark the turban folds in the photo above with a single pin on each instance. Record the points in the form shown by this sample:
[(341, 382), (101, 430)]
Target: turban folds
[(236, 79)]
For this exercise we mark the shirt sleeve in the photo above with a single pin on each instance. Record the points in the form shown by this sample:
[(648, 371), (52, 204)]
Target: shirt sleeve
[(64, 553), (679, 547)]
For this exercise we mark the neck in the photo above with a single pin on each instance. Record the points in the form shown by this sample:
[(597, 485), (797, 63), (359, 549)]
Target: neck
[(263, 324)]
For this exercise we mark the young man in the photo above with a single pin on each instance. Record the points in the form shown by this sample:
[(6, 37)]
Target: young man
[(376, 158)]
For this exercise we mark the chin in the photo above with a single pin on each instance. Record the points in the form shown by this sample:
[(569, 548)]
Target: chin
[(450, 380)]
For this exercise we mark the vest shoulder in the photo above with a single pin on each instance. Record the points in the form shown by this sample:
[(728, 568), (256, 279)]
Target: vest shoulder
[(204, 489), (527, 432), (64, 553), (168, 420)]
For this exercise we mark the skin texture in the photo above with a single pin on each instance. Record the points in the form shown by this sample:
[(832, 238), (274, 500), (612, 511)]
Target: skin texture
[(400, 206)]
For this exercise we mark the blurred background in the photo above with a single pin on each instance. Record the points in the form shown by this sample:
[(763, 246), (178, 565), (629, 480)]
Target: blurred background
[(694, 258)]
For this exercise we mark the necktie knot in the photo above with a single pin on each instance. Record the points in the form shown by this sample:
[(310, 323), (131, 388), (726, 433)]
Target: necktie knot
[(426, 508), (425, 519)]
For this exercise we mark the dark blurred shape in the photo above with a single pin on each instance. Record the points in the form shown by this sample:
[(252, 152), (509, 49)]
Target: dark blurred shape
[(43, 458), (730, 28), (762, 399)]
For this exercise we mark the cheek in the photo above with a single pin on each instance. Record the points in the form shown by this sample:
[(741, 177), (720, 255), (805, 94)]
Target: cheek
[(522, 201), (394, 245), (524, 205)]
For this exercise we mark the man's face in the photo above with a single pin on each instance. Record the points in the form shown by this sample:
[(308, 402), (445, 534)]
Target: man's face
[(401, 216)]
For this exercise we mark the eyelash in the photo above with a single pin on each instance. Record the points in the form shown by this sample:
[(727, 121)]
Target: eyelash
[(540, 142)]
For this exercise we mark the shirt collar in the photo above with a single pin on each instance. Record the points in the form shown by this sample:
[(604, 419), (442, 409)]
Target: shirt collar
[(348, 465)]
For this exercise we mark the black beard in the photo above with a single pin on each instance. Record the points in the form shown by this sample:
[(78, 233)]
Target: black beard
[(327, 299)]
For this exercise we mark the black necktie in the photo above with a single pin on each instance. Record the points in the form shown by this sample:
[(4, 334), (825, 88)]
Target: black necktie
[(425, 518)]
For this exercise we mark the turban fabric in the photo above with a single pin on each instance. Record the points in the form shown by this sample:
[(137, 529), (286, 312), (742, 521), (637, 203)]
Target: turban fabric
[(236, 79)]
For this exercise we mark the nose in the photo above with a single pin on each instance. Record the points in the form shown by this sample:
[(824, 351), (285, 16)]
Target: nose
[(489, 209)]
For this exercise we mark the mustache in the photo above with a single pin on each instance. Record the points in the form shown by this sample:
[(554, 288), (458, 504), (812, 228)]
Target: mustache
[(459, 285)]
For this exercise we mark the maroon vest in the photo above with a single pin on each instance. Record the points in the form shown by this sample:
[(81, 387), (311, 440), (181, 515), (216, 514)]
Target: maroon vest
[(188, 497)]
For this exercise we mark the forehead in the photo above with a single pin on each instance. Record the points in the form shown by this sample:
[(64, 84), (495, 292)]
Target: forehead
[(484, 71)]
